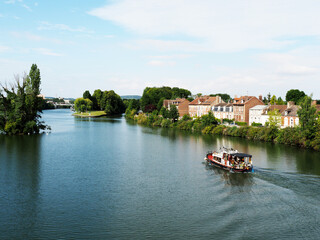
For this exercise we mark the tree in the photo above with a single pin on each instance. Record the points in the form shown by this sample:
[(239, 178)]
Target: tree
[(274, 118), (112, 103), (20, 106), (269, 97), (173, 113), (151, 96), (280, 101), (295, 95), (225, 97), (160, 103), (273, 100), (96, 99), (87, 95), (307, 117), (83, 104)]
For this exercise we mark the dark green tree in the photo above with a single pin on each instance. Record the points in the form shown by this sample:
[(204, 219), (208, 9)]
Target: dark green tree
[(96, 99), (87, 95), (295, 95), (20, 106), (307, 117), (112, 103), (173, 113)]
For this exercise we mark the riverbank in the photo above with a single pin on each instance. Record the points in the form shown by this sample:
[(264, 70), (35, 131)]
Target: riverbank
[(207, 124), (90, 114)]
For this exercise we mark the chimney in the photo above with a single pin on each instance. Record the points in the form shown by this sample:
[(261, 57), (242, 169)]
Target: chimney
[(290, 104), (260, 97)]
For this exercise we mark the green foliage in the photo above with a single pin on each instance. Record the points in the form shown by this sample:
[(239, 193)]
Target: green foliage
[(83, 105), (225, 97), (131, 104), (307, 117), (274, 119), (151, 97), (256, 124), (280, 101), (273, 100), (295, 95), (112, 103), (96, 99), (173, 113), (241, 123), (20, 106), (87, 95)]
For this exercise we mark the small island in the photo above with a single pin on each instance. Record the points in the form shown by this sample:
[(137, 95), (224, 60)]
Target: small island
[(90, 114), (99, 104)]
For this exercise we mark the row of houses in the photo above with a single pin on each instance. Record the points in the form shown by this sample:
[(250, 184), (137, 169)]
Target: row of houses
[(249, 109)]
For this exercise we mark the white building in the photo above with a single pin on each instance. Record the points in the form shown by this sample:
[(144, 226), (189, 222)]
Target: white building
[(255, 114), (223, 111)]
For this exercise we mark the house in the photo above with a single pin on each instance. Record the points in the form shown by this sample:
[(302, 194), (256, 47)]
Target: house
[(289, 117), (182, 105), (255, 114), (265, 115), (203, 105), (242, 105), (223, 111)]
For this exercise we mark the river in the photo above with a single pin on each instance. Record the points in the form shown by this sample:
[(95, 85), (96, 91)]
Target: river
[(106, 178)]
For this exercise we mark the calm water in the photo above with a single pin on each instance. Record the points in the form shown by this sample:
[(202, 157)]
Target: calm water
[(109, 179)]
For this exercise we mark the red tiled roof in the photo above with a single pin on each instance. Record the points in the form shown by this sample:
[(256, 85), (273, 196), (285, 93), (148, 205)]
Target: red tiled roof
[(203, 100)]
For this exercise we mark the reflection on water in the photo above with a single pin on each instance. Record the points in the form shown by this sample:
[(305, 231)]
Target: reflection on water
[(20, 171), (106, 178), (232, 179)]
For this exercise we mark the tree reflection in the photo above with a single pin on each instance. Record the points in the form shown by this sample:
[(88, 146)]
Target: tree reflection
[(19, 181)]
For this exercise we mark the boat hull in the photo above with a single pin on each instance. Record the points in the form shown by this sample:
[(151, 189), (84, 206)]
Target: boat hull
[(228, 168)]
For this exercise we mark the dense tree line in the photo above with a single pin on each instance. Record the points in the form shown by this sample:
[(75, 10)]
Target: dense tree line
[(307, 134), (107, 101), (152, 98), (20, 106)]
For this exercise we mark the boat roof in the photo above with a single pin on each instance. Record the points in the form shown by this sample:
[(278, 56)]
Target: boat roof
[(240, 155)]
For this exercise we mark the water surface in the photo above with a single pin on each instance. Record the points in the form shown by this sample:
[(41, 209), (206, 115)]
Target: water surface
[(106, 178)]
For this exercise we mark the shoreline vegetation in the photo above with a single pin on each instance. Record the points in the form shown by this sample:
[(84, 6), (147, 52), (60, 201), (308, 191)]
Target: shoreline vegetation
[(150, 111), (90, 114), (21, 105), (207, 125)]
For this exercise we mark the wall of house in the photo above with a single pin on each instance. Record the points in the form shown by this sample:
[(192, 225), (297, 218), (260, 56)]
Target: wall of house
[(183, 108), (249, 104)]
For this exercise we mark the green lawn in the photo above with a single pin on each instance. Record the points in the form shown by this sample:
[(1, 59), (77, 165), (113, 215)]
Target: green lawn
[(90, 114)]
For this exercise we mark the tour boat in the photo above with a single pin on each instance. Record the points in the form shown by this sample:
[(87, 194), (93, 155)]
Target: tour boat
[(231, 160)]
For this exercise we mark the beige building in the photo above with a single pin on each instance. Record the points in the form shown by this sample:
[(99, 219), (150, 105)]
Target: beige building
[(203, 105), (223, 111)]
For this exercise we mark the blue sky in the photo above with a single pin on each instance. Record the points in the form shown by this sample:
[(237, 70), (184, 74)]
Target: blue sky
[(209, 46)]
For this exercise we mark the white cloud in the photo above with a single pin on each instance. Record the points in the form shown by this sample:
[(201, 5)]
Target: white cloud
[(217, 25), (33, 37), (62, 27), (3, 48), (48, 52), (26, 7), (161, 63), (1, 15), (12, 1), (173, 56)]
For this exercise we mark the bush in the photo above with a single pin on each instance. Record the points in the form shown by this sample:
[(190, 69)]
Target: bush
[(241, 123), (256, 124)]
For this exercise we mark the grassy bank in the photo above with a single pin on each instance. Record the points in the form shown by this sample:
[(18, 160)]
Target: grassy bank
[(207, 124), (90, 114)]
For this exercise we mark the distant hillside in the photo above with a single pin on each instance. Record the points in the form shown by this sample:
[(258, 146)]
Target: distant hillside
[(131, 97)]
